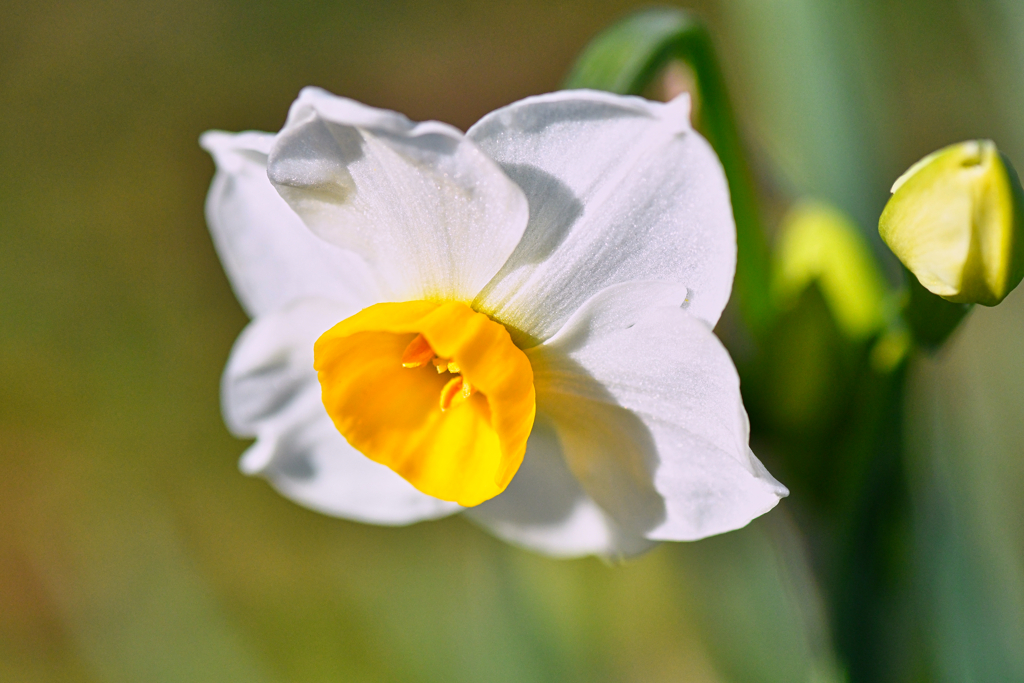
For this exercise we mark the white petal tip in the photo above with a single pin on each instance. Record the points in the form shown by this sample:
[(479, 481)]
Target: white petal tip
[(225, 147), (762, 473), (313, 92), (213, 139), (720, 522), (314, 101), (257, 457), (677, 113)]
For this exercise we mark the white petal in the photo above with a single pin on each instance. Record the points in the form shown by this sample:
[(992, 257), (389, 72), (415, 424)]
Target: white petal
[(270, 391), (620, 189), (545, 510), (647, 407), (270, 257), (426, 208)]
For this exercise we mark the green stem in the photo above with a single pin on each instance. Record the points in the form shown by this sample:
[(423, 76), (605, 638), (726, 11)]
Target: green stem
[(868, 570), (625, 59), (931, 318)]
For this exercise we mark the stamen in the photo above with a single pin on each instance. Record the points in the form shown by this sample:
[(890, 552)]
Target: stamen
[(452, 391), (456, 391), (417, 353)]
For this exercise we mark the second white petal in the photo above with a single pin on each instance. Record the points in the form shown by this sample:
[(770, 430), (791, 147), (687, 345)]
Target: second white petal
[(620, 189), (431, 213), (647, 407)]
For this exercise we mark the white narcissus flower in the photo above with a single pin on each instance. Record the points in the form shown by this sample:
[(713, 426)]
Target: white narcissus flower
[(514, 323)]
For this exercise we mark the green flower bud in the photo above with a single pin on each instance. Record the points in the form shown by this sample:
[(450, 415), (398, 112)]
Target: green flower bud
[(818, 243), (956, 221)]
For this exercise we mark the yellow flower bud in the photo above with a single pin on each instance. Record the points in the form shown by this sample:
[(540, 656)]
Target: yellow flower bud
[(955, 221)]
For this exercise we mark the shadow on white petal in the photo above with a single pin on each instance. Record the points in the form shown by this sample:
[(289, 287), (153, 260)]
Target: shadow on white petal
[(271, 363), (646, 405), (544, 509), (610, 450), (270, 256), (427, 209), (270, 390), (552, 213), (309, 462), (629, 192)]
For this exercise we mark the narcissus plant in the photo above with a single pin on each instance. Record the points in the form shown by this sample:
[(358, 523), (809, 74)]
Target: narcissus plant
[(514, 322)]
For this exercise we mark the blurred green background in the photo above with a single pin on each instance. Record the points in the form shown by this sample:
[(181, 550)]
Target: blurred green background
[(131, 549)]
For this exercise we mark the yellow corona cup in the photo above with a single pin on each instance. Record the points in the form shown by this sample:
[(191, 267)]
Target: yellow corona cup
[(437, 392), (955, 221)]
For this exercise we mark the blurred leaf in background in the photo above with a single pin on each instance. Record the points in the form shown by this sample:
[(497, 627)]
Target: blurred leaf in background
[(965, 471)]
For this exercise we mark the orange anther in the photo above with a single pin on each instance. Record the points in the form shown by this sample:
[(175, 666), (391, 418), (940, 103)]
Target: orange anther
[(417, 353), (451, 392)]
